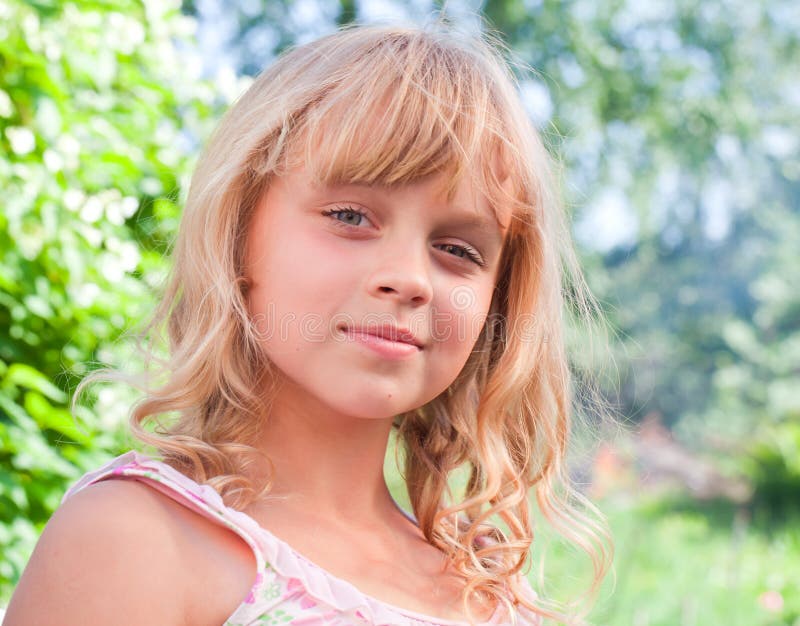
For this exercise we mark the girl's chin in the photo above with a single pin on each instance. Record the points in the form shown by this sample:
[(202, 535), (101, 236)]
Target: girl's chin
[(378, 409)]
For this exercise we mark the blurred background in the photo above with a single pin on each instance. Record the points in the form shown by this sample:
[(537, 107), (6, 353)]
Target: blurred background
[(678, 125)]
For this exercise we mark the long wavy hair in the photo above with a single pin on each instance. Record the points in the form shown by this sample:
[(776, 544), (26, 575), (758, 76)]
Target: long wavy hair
[(446, 102)]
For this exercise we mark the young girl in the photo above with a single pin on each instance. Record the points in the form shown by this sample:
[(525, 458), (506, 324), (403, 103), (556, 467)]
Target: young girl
[(371, 241)]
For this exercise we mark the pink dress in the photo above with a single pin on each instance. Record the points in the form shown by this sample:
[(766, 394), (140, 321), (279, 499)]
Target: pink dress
[(288, 588)]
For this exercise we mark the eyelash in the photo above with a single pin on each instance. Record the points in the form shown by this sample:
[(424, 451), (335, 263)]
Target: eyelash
[(471, 254)]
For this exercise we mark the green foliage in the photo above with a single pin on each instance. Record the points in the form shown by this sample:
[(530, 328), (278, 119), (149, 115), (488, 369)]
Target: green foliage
[(775, 469), (98, 121)]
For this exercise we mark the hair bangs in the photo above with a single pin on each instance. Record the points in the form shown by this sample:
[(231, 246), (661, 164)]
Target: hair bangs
[(401, 111)]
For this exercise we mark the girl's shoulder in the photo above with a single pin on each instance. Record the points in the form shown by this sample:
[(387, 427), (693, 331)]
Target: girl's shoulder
[(154, 479), (214, 553), (120, 548)]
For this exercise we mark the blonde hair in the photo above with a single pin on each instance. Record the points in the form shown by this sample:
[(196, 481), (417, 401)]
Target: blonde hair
[(446, 103)]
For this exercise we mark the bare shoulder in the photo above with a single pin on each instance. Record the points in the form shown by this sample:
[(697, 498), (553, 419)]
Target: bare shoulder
[(118, 552), (98, 561)]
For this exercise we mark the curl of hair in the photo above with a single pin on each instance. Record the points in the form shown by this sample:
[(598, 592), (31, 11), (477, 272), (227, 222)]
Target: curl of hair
[(387, 105)]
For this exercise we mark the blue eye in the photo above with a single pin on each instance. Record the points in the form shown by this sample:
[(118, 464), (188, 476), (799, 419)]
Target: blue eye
[(348, 211)]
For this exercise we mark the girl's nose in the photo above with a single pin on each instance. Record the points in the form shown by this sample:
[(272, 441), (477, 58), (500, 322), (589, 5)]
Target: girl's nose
[(403, 275)]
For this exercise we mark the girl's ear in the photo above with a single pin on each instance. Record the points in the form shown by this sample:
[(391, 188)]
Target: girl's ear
[(245, 284)]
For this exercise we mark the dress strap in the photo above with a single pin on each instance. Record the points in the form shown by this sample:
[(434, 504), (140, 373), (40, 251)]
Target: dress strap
[(201, 499)]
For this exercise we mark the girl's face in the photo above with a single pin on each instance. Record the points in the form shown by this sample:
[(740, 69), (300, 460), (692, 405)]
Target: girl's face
[(330, 267)]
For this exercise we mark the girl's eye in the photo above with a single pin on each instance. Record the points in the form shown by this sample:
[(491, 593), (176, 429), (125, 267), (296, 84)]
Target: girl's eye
[(353, 217), (465, 252)]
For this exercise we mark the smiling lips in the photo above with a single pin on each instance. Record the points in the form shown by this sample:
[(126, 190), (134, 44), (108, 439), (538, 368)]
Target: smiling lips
[(389, 341)]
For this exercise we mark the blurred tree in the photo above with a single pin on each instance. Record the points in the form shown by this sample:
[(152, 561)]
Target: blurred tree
[(99, 115), (669, 116)]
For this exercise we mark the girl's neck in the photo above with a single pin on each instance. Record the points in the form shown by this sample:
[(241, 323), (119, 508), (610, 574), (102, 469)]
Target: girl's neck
[(327, 461)]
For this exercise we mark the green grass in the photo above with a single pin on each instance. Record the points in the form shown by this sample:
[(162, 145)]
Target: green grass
[(679, 563)]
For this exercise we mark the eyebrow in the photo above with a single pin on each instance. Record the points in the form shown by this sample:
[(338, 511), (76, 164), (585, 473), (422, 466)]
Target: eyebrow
[(484, 224), (470, 219)]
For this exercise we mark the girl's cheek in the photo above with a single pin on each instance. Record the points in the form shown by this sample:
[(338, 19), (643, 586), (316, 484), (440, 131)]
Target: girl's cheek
[(327, 247)]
